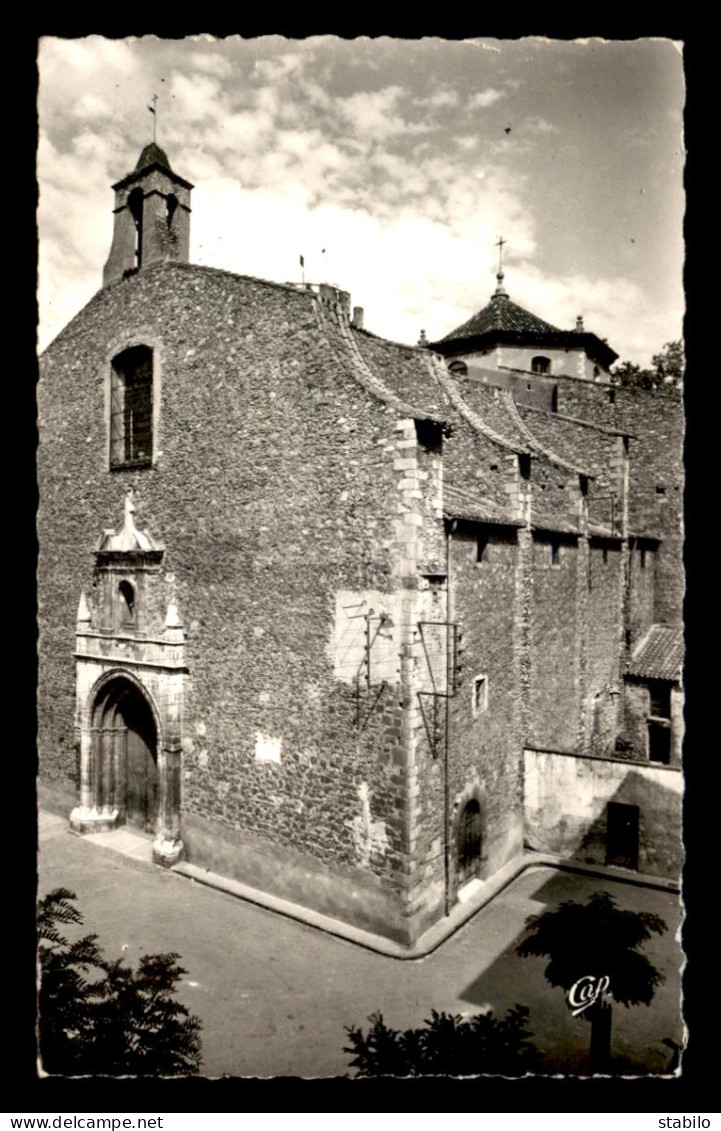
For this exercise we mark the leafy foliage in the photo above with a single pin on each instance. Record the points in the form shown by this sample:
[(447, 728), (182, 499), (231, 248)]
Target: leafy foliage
[(99, 1017), (666, 374), (447, 1045), (596, 938)]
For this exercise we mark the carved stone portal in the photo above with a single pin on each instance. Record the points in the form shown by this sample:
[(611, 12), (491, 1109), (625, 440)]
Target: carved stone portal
[(130, 671)]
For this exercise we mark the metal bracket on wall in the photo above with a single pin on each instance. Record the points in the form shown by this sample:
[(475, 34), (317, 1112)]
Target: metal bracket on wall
[(441, 661), (363, 675)]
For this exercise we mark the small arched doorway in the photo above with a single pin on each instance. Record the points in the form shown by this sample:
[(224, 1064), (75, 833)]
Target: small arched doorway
[(470, 836), (125, 746)]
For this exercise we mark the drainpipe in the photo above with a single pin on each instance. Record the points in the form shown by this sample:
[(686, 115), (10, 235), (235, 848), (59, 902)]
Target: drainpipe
[(449, 678)]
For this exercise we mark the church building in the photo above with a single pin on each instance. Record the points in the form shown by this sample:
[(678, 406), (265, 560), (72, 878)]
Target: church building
[(355, 623)]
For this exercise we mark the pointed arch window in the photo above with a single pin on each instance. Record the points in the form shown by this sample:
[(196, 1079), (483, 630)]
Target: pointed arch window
[(131, 408)]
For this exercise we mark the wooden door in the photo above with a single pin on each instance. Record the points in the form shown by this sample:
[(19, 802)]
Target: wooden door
[(141, 770), (622, 835), (469, 842)]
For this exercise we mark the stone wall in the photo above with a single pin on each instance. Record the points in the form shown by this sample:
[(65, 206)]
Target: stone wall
[(554, 644), (572, 362), (566, 799), (485, 720), (273, 489), (642, 582), (655, 424), (636, 712), (603, 645)]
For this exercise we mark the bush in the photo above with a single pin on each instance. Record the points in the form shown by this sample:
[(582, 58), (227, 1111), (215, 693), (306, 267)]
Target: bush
[(447, 1045), (98, 1017)]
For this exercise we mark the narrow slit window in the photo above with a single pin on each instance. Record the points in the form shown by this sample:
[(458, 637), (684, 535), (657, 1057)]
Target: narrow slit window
[(126, 604), (135, 204), (480, 694), (172, 204)]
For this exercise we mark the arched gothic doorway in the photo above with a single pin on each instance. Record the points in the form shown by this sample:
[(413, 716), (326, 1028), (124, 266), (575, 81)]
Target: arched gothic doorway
[(125, 754), (470, 841)]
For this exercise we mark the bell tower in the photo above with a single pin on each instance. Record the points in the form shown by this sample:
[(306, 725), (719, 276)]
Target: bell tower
[(152, 217)]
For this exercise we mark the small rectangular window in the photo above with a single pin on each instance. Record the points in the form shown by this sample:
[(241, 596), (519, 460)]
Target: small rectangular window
[(482, 546), (659, 742), (480, 694), (660, 700), (430, 436), (554, 550)]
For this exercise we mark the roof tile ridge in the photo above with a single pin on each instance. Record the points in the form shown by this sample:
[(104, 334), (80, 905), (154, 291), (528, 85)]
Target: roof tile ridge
[(566, 419), (553, 457), (438, 371), (358, 367), (640, 644), (476, 497)]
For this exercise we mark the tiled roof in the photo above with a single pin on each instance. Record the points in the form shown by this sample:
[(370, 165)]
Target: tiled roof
[(551, 525), (405, 371), (659, 655), (501, 314), (458, 503), (603, 530), (505, 321), (152, 155)]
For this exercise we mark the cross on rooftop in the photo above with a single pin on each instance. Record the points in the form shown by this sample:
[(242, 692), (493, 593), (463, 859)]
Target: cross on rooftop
[(499, 244)]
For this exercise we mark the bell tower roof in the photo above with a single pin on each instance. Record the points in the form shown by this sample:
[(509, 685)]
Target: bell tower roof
[(151, 217), (152, 155)]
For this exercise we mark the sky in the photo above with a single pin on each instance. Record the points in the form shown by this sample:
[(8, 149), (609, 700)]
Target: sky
[(392, 166)]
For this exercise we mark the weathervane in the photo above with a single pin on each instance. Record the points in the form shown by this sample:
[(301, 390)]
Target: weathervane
[(154, 112)]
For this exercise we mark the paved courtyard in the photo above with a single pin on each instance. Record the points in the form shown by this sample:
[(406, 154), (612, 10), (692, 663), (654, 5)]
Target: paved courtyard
[(274, 995)]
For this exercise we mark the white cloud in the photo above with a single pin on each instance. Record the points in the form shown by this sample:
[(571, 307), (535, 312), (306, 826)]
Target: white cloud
[(214, 64), (484, 98), (440, 99), (92, 106), (374, 114), (197, 98), (541, 126), (285, 160)]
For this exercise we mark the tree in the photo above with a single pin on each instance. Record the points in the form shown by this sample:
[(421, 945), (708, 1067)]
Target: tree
[(98, 1017), (597, 939), (447, 1045), (666, 374), (670, 364)]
